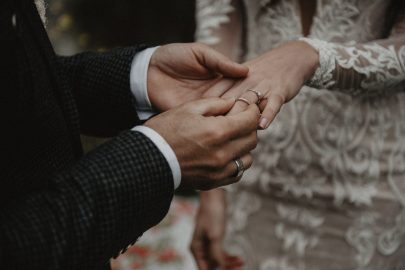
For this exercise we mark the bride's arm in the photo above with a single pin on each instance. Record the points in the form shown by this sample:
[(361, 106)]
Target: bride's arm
[(219, 25), (376, 67)]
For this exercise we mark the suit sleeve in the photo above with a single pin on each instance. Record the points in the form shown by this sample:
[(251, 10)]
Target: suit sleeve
[(101, 88), (91, 211)]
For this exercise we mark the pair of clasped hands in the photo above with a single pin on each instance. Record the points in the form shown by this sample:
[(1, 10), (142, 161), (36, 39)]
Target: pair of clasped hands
[(212, 107)]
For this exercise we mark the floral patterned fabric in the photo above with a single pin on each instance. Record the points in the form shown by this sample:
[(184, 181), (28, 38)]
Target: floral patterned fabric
[(165, 246), (327, 189)]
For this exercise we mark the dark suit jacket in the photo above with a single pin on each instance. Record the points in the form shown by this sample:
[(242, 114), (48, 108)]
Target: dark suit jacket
[(58, 208)]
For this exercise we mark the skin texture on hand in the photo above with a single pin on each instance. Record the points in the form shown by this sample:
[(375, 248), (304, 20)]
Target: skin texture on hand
[(278, 74), (209, 232), (179, 73), (206, 142)]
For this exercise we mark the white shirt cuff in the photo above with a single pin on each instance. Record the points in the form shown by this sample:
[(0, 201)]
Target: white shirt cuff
[(166, 150), (139, 83)]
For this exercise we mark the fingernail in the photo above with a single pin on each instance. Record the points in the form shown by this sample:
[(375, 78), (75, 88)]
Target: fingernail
[(264, 123)]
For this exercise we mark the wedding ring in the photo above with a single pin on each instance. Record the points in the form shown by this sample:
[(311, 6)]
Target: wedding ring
[(258, 94), (240, 168), (243, 100)]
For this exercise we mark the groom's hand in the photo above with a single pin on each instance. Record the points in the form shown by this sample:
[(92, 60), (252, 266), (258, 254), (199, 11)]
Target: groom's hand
[(206, 142), (179, 73)]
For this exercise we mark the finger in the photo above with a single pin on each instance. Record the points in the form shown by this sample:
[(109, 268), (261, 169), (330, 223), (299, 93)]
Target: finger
[(262, 104), (243, 122), (222, 86), (251, 95), (240, 147), (219, 63), (273, 106), (214, 175), (233, 262), (239, 88), (231, 170), (211, 106), (240, 106), (202, 264), (216, 252)]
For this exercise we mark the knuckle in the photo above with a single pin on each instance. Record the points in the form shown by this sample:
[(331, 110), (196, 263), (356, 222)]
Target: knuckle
[(224, 175), (253, 121), (254, 110), (219, 133), (212, 177), (270, 111), (228, 127), (197, 46), (221, 158), (200, 45), (278, 97), (266, 84)]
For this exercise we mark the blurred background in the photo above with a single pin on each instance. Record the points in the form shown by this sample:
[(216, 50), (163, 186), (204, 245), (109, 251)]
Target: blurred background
[(75, 26)]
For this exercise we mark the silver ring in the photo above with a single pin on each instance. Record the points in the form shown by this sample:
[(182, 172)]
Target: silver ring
[(240, 168), (243, 100), (258, 94)]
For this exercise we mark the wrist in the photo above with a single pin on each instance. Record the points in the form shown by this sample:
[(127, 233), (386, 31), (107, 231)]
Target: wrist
[(217, 194), (311, 58)]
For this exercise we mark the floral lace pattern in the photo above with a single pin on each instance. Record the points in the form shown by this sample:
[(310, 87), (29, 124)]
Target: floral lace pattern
[(327, 187), (211, 14), (382, 68), (41, 9)]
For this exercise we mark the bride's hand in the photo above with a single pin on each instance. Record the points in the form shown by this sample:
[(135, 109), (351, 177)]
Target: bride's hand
[(206, 245), (278, 75)]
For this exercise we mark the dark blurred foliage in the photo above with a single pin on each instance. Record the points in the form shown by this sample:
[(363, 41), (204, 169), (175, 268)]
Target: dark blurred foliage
[(111, 23)]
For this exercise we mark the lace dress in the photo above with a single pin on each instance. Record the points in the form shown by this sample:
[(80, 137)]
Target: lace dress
[(327, 189)]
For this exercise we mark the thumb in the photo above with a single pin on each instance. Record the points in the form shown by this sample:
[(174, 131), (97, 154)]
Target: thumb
[(212, 106), (218, 63)]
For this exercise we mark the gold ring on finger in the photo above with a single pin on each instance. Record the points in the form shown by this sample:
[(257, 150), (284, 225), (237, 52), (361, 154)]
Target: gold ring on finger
[(240, 167), (243, 100), (258, 94)]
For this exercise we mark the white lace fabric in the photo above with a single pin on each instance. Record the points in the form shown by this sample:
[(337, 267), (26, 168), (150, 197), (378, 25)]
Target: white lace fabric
[(327, 188), (372, 68), (41, 6)]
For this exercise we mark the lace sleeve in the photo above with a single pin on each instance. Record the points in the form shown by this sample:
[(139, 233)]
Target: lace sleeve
[(219, 25), (370, 68)]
